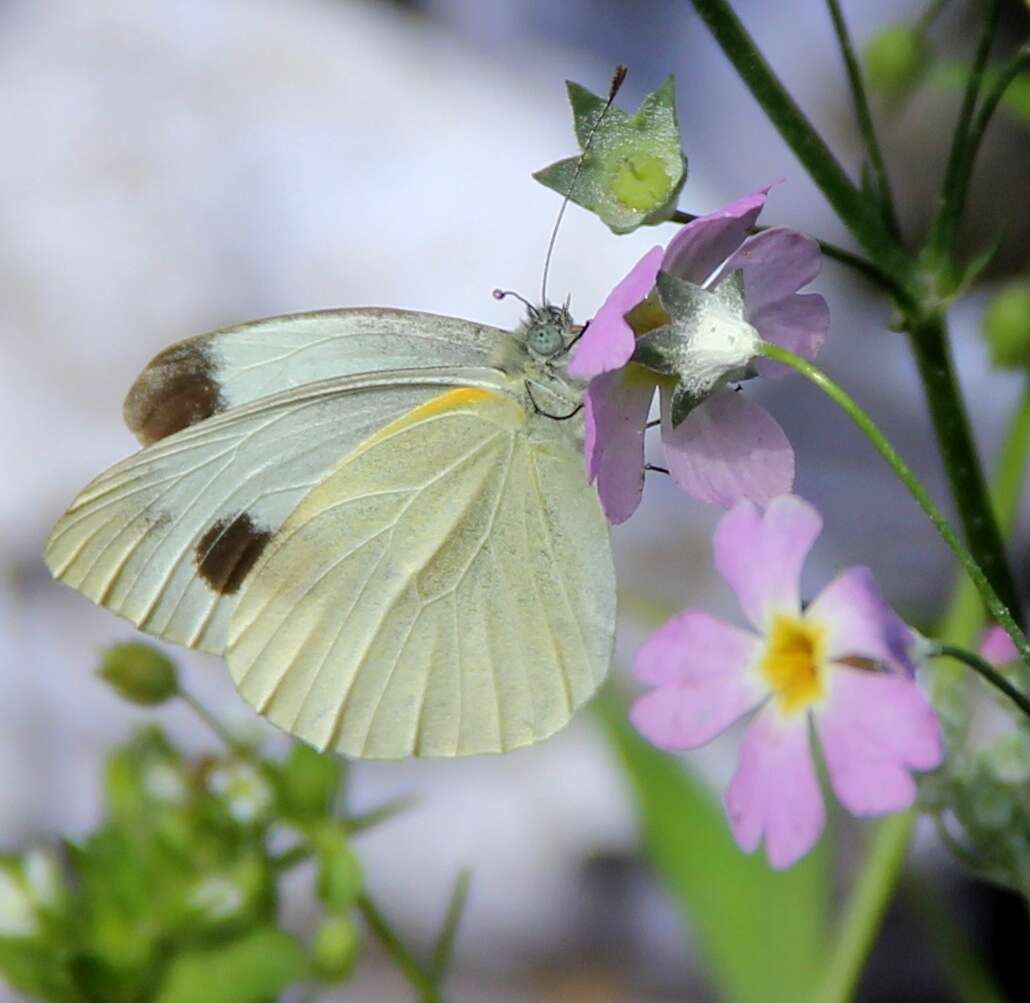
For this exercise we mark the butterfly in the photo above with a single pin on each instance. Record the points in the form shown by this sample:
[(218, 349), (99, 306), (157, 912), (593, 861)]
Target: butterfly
[(380, 518)]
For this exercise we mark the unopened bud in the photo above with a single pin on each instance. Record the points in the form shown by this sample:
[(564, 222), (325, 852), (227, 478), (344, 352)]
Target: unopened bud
[(1006, 326), (895, 59), (335, 949), (140, 673)]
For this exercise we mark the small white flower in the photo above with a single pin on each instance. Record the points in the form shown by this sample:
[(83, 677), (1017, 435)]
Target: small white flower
[(163, 782), (217, 898), (17, 917), (246, 793), (42, 878)]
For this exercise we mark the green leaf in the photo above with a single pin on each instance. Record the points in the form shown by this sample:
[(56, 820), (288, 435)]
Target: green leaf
[(251, 969), (760, 932), (632, 168)]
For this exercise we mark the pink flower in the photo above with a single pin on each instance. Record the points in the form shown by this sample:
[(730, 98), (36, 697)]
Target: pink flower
[(727, 447), (997, 647), (841, 663)]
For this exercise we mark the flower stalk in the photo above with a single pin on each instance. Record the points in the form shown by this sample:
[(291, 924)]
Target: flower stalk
[(995, 606)]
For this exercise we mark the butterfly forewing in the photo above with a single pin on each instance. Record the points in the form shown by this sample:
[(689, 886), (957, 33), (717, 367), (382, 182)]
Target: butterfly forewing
[(212, 373), (167, 537)]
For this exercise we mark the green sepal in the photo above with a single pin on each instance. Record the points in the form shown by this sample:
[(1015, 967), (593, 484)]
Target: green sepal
[(634, 169)]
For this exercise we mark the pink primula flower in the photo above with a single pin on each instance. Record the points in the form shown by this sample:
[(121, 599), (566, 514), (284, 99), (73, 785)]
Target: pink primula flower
[(841, 663), (997, 647), (728, 447)]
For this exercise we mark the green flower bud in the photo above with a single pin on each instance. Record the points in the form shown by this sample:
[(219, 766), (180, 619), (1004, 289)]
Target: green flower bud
[(309, 780), (335, 949), (895, 59), (139, 673), (340, 875), (1006, 326)]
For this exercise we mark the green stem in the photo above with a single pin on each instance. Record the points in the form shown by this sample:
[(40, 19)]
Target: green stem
[(997, 608), (444, 948), (964, 617), (987, 671), (425, 988), (944, 233), (873, 890), (870, 270), (982, 119), (213, 723), (961, 463), (857, 212), (865, 118)]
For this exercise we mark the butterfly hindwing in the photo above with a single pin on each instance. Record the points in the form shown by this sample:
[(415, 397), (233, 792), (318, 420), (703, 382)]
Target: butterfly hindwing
[(446, 590)]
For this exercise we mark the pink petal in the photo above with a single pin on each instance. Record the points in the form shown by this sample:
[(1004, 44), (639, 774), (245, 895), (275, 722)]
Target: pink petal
[(774, 791), (608, 341), (760, 555), (997, 647), (726, 449), (617, 406), (859, 622), (703, 245), (775, 265), (691, 646), (799, 323), (691, 714), (875, 728)]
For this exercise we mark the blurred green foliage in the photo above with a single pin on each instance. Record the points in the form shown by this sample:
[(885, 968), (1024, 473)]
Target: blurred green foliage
[(1006, 326), (760, 933), (174, 897)]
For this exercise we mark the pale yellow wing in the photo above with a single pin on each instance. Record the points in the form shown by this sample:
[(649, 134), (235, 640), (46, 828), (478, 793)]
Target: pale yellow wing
[(447, 590), (166, 537)]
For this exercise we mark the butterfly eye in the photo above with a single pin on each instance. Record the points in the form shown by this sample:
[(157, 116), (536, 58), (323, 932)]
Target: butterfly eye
[(545, 339)]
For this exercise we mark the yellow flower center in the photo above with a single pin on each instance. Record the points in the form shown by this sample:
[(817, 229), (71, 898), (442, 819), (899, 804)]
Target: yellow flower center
[(794, 662)]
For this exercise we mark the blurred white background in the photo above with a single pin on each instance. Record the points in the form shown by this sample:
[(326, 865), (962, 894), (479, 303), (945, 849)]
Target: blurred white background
[(171, 168)]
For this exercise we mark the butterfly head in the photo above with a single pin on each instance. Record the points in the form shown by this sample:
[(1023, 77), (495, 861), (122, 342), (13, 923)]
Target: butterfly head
[(548, 330)]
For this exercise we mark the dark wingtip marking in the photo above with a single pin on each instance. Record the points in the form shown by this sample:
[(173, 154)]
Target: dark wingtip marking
[(176, 390), (228, 550)]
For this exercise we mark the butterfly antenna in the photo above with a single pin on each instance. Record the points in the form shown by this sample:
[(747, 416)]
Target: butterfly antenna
[(617, 78), (500, 294)]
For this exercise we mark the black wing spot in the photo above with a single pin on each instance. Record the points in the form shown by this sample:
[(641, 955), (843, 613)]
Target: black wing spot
[(176, 390), (228, 550)]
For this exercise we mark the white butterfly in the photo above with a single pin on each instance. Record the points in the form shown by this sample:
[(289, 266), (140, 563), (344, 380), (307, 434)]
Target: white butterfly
[(380, 518)]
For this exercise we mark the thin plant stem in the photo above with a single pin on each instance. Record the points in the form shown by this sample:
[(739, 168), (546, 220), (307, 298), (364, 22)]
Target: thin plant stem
[(865, 118), (839, 396), (425, 988), (985, 112), (870, 270), (964, 617), (213, 723), (986, 671), (954, 434), (944, 232), (873, 891), (444, 948), (855, 210)]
